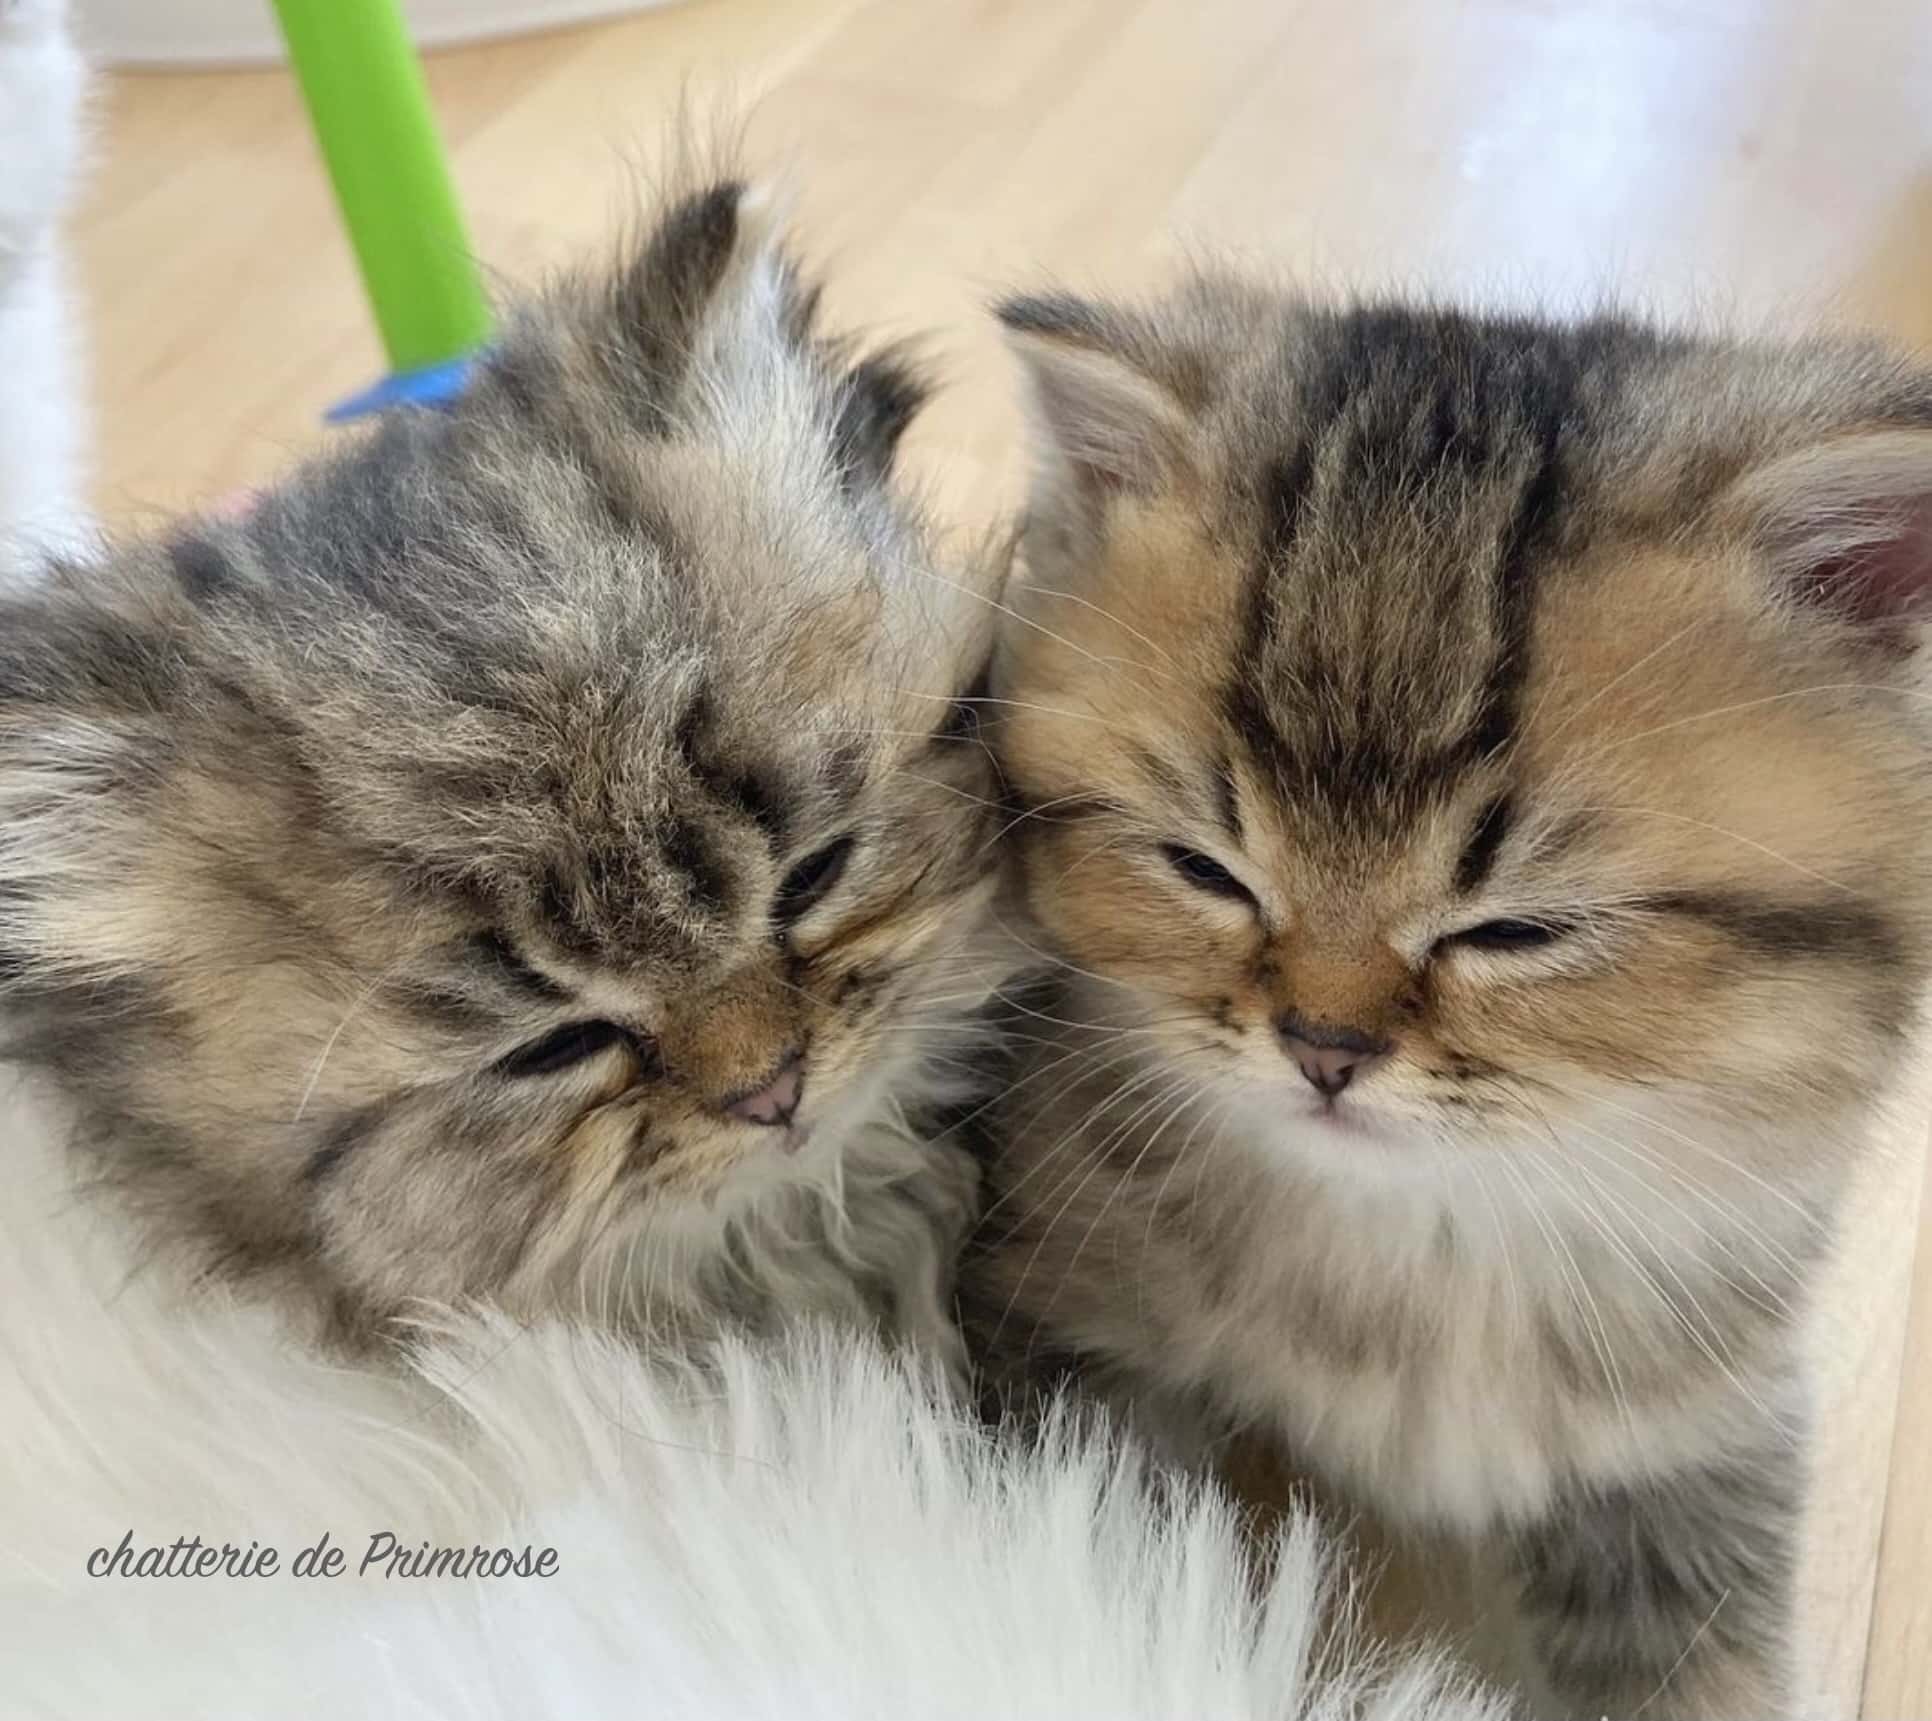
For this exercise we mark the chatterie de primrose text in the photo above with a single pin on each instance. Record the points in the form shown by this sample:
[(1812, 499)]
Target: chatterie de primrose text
[(385, 1555)]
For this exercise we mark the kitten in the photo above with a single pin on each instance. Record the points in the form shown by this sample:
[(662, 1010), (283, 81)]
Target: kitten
[(1475, 795), (537, 853)]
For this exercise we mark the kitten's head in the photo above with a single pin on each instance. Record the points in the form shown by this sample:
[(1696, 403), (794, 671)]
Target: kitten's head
[(539, 818), (1437, 727)]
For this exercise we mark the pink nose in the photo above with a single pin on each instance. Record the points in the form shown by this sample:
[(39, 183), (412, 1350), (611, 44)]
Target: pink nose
[(775, 1099), (1327, 1056)]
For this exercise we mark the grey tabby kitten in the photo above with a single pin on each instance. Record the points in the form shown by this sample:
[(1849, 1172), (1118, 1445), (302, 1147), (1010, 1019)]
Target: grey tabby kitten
[(1476, 795), (536, 854)]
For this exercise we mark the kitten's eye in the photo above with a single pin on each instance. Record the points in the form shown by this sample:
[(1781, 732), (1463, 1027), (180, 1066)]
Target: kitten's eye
[(1508, 935), (963, 719), (962, 722), (1206, 873), (806, 885), (566, 1046)]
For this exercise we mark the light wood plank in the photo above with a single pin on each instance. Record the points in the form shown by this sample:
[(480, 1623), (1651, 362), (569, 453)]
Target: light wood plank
[(1900, 1680)]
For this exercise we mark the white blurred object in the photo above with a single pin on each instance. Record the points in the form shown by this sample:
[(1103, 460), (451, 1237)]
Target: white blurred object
[(176, 32), (41, 411)]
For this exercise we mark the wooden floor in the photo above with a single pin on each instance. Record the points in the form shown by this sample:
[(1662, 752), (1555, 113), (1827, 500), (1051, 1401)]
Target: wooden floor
[(1747, 159)]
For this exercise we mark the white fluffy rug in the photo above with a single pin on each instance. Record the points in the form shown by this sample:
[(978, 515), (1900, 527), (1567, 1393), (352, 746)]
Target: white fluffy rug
[(803, 1533)]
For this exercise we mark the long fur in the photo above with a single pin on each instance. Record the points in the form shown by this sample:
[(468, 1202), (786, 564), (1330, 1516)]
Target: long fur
[(798, 1529)]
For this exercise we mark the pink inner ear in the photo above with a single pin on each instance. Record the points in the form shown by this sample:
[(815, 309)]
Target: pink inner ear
[(1888, 578)]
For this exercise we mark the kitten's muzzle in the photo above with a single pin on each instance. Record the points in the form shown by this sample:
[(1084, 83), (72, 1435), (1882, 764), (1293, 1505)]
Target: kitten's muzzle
[(774, 1100), (1329, 1057)]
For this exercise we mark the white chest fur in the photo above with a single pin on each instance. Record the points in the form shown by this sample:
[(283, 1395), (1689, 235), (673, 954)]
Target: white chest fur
[(1456, 1337)]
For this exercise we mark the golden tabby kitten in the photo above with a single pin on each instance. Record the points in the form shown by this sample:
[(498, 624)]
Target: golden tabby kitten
[(1477, 800), (536, 854)]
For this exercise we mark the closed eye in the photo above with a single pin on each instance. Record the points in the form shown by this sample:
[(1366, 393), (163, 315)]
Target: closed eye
[(810, 882), (1206, 873), (570, 1045), (962, 717), (1508, 935)]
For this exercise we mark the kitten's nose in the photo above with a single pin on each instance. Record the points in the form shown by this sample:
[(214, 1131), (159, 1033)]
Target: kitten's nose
[(775, 1099), (1328, 1056)]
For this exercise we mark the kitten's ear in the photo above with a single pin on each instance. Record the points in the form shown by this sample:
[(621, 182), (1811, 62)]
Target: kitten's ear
[(1846, 526), (1104, 422), (878, 397), (715, 257), (665, 285), (678, 267)]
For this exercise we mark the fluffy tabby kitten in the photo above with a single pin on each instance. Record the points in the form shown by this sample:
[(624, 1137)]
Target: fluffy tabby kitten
[(536, 853), (1476, 798)]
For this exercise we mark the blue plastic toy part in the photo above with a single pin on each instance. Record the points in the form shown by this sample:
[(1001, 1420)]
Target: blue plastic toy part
[(428, 385)]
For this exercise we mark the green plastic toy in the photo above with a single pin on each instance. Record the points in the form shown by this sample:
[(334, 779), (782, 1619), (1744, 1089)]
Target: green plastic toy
[(370, 108)]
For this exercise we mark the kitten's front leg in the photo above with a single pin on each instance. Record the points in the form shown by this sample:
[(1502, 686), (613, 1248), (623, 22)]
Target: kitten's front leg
[(1669, 1598)]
